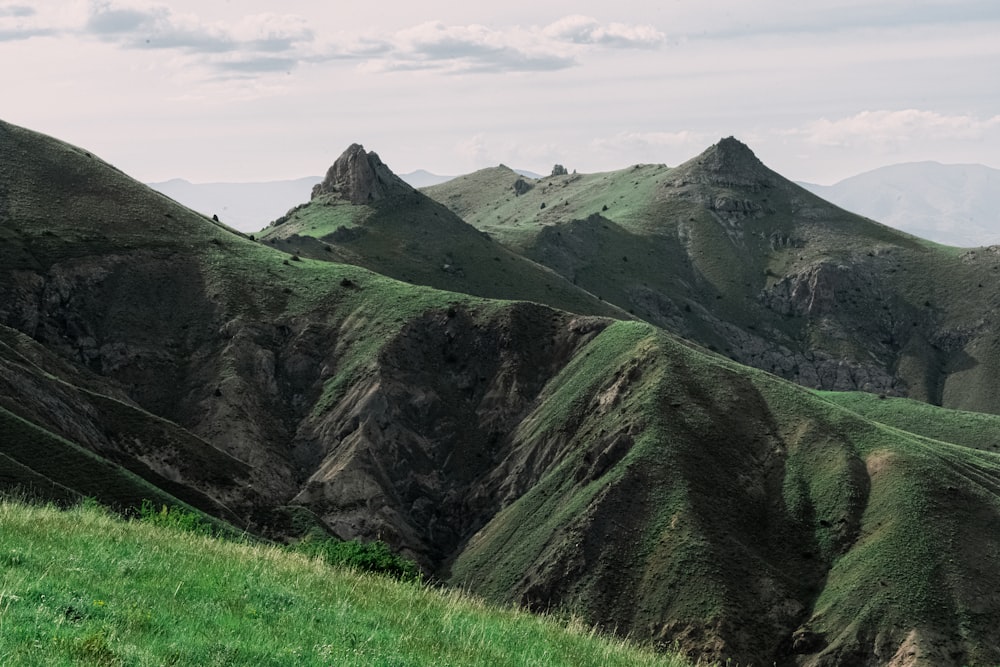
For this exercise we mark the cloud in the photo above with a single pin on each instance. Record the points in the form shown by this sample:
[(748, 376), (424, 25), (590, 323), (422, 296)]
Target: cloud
[(269, 42), (272, 42), (896, 127), (578, 29), (254, 65), (17, 11), (257, 38), (469, 48), (476, 48), (19, 22)]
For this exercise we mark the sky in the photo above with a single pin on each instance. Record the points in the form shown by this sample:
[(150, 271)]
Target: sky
[(245, 90)]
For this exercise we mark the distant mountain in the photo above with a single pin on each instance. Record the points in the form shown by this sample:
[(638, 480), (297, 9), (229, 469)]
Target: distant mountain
[(247, 207), (954, 204), (421, 178)]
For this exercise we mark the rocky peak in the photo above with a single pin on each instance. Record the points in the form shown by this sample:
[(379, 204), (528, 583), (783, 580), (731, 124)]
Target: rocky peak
[(731, 163), (360, 178)]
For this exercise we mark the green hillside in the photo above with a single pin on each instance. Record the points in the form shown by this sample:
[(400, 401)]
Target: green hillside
[(406, 235), (82, 588), (702, 497), (726, 252)]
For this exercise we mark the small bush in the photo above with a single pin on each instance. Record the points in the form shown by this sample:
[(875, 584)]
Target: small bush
[(173, 517), (370, 557)]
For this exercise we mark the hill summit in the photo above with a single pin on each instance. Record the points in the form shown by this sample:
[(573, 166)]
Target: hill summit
[(730, 162), (360, 178)]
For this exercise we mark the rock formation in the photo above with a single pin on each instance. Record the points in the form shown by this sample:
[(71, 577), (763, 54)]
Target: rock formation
[(360, 178)]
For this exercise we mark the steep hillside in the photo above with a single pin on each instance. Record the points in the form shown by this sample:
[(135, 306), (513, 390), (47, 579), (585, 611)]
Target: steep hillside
[(955, 204), (570, 462), (727, 253), (83, 588), (364, 214)]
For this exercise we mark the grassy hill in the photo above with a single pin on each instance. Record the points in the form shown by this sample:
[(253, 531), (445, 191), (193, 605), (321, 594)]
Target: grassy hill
[(726, 252), (406, 235), (82, 588), (567, 462)]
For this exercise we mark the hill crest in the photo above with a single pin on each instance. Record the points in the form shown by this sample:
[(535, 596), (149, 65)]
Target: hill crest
[(361, 178), (730, 163)]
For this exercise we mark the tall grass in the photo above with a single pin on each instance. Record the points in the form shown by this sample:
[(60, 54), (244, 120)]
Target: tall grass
[(82, 587)]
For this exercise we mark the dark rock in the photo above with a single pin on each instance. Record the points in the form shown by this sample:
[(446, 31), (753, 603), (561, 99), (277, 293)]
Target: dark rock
[(360, 178), (807, 641), (522, 186)]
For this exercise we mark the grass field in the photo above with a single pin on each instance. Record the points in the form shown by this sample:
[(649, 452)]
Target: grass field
[(79, 587)]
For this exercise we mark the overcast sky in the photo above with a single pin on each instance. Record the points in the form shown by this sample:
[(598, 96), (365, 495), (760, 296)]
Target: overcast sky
[(243, 90)]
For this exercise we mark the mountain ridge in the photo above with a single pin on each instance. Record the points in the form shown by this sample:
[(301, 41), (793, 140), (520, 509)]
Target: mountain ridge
[(759, 269), (558, 460)]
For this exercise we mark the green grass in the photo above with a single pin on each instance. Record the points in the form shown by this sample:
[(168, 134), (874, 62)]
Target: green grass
[(969, 429), (713, 252), (79, 587), (417, 240)]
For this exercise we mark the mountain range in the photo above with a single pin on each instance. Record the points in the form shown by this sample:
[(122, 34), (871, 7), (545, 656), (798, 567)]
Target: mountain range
[(955, 204), (952, 204), (600, 394)]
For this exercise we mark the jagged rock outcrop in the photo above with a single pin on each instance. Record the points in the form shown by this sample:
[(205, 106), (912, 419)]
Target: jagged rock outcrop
[(731, 163), (522, 187), (360, 178)]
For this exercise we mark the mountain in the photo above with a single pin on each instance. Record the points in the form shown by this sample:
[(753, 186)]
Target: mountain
[(569, 462), (422, 178), (954, 204), (727, 253), (364, 214), (250, 207)]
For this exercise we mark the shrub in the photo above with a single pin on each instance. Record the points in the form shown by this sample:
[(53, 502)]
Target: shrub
[(367, 556), (173, 517)]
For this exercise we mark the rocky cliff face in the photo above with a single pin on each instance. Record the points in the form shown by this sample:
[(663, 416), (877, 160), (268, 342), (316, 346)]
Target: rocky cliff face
[(360, 178)]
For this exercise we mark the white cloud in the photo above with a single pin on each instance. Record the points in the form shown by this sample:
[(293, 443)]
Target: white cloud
[(579, 29), (256, 43), (897, 127), (19, 11), (435, 45), (278, 42), (20, 22), (469, 48)]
